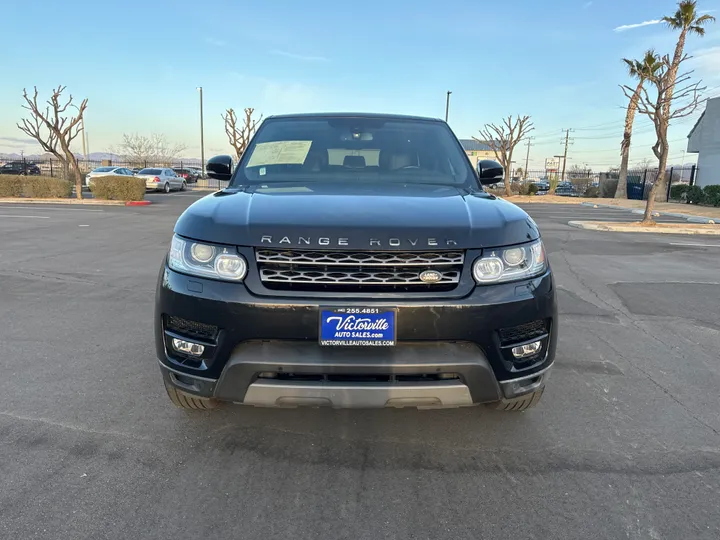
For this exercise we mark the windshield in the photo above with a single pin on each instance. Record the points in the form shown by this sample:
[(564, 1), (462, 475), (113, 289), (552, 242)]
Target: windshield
[(150, 171), (355, 150)]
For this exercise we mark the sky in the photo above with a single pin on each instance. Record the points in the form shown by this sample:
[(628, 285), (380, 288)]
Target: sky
[(139, 63)]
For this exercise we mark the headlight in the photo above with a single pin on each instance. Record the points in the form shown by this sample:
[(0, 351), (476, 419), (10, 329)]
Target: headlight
[(206, 260), (510, 264)]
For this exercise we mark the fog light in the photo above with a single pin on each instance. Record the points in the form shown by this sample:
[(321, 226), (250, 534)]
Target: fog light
[(188, 347), (524, 351)]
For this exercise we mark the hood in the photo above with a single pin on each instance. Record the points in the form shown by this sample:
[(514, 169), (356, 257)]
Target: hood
[(319, 216)]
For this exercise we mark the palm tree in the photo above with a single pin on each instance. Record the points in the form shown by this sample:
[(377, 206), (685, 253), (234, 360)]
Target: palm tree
[(642, 70), (688, 21)]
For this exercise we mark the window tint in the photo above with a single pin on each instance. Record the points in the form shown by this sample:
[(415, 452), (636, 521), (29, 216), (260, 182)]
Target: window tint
[(151, 171), (104, 169), (355, 150)]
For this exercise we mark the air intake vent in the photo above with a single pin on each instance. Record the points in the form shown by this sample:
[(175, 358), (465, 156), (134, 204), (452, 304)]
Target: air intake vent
[(524, 332)]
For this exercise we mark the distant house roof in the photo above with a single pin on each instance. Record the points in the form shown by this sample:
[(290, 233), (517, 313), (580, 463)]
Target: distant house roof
[(471, 145)]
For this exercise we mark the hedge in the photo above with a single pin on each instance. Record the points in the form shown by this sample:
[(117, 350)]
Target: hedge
[(121, 188), (695, 195), (42, 187), (677, 192), (712, 195)]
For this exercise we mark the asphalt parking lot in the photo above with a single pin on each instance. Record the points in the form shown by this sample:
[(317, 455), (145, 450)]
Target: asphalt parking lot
[(625, 444)]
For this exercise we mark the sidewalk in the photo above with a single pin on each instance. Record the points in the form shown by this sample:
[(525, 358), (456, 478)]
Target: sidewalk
[(671, 209)]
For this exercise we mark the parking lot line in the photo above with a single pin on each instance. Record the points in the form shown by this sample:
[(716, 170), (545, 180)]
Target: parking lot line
[(28, 217), (695, 245)]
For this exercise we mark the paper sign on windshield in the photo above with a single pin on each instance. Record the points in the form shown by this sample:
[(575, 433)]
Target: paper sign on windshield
[(279, 152)]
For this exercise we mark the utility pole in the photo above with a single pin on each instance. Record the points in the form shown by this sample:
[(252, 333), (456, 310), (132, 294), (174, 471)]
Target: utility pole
[(527, 157), (202, 135), (567, 141), (447, 105)]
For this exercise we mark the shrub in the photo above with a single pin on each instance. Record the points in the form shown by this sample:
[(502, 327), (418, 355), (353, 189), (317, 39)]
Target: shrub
[(592, 192), (45, 187), (712, 195), (532, 189), (515, 187), (11, 186), (677, 192), (608, 188), (121, 188), (695, 195)]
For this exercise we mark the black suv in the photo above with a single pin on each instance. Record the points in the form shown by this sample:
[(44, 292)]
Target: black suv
[(355, 261), (20, 168)]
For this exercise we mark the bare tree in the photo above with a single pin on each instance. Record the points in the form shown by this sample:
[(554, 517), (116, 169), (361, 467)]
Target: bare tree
[(644, 164), (641, 70), (673, 97), (142, 150), (239, 134), (52, 128), (503, 139)]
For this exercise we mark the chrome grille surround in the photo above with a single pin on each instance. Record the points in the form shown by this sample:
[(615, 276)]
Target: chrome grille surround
[(357, 268), (360, 258)]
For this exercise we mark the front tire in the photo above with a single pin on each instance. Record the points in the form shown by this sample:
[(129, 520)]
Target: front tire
[(518, 404), (183, 400)]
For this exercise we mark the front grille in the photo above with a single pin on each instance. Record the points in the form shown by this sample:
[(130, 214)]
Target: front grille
[(191, 328), (523, 332), (342, 271)]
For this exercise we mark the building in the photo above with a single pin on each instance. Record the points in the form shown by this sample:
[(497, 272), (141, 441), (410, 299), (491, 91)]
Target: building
[(704, 140), (477, 151)]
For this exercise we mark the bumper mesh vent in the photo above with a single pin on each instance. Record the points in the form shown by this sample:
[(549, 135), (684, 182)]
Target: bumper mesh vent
[(523, 332), (191, 328)]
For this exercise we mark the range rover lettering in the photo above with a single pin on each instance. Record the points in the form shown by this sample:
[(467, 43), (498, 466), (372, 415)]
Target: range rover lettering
[(355, 260)]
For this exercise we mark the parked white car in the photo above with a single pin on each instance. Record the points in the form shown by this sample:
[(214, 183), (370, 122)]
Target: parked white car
[(162, 179), (105, 171)]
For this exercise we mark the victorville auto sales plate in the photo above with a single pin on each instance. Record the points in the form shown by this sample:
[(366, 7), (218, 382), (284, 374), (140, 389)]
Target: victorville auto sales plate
[(357, 327)]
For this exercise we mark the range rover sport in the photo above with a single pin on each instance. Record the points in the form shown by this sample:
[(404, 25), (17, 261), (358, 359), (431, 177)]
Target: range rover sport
[(355, 260)]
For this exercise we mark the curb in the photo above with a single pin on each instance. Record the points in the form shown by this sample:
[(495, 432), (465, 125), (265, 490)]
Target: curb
[(620, 227), (137, 203), (89, 202), (689, 217)]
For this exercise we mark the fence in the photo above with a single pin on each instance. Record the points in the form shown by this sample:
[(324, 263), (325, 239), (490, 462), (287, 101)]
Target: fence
[(639, 181), (53, 167)]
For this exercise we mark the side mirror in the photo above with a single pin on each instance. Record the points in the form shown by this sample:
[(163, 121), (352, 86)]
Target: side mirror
[(220, 167), (490, 172)]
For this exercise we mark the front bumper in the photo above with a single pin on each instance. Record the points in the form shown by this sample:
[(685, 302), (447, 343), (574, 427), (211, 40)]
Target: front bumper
[(265, 349)]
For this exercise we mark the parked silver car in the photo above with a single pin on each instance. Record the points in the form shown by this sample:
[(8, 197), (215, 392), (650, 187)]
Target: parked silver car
[(162, 179), (105, 171)]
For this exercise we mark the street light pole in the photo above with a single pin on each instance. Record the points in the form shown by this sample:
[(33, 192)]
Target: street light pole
[(447, 105), (202, 135)]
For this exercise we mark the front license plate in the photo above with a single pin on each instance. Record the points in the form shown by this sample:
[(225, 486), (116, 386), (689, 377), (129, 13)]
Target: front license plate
[(357, 327)]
